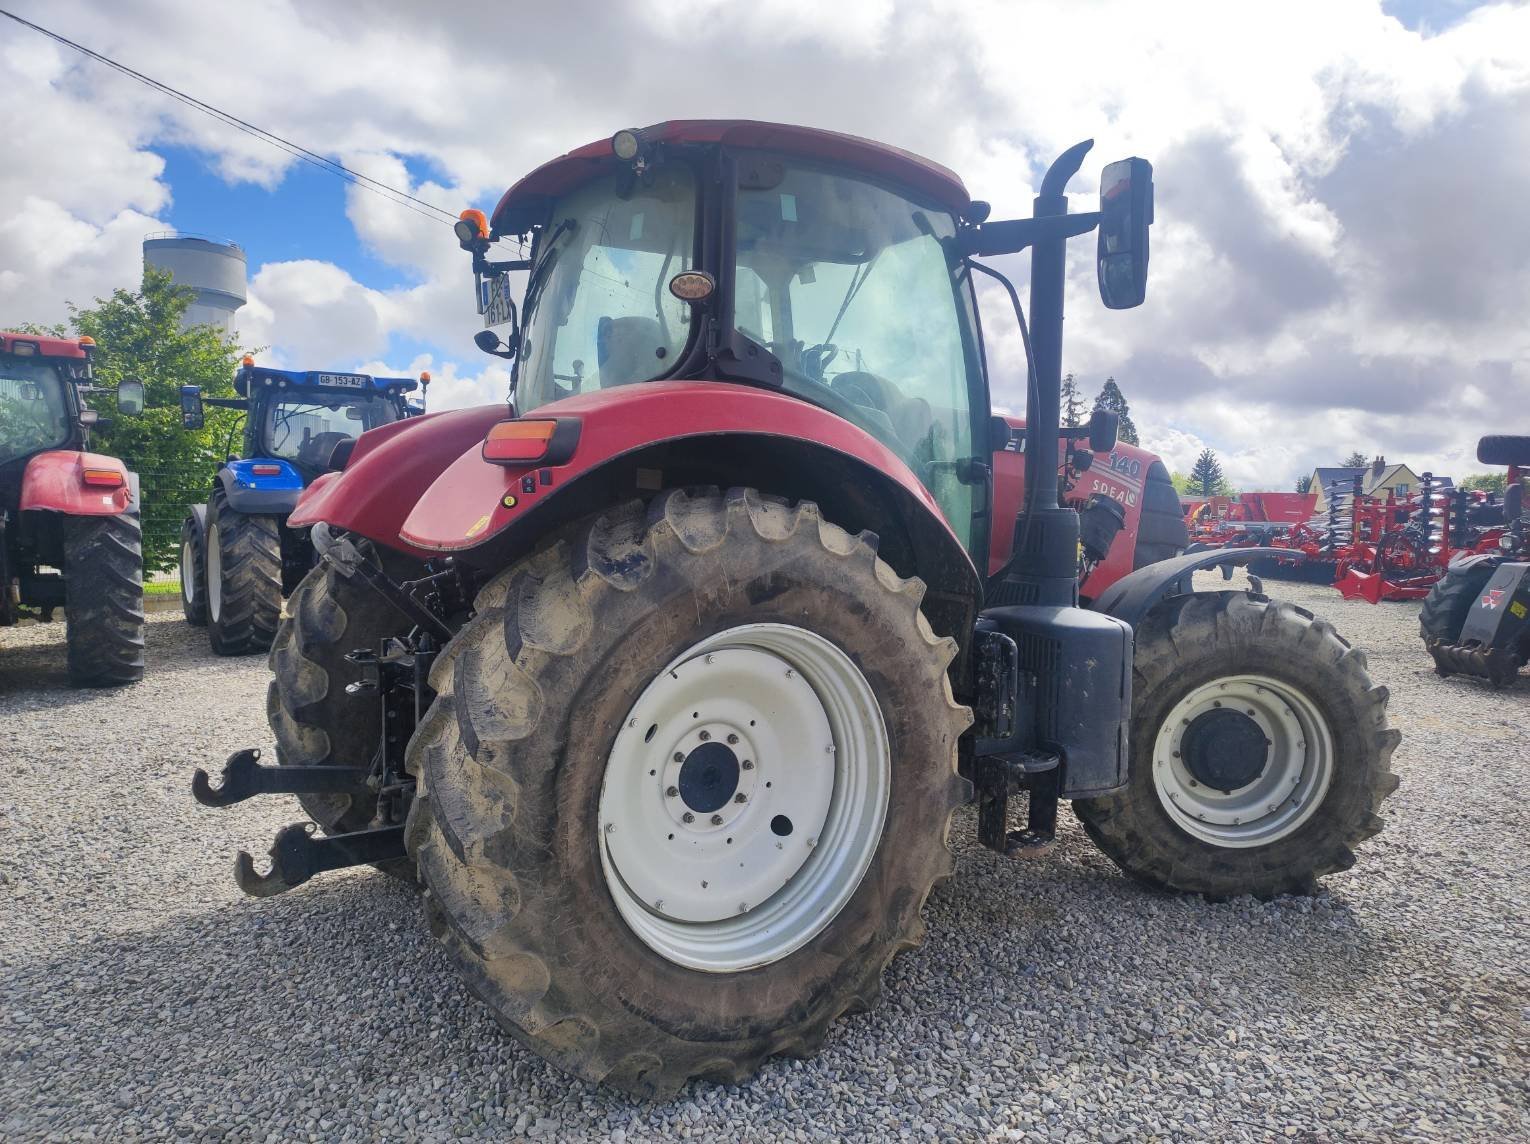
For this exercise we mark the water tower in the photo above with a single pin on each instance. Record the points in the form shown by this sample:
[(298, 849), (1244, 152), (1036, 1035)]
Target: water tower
[(213, 267)]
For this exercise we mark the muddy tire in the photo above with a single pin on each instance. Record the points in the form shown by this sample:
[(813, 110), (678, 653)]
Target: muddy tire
[(1161, 530), (314, 721), (1260, 751), (244, 578), (194, 570), (103, 611), (546, 688), (1450, 601)]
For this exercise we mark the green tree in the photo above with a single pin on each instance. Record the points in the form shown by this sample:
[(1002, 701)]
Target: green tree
[(1356, 460), (1303, 484), (1072, 404), (1111, 397), (138, 334), (1206, 475), (1487, 482)]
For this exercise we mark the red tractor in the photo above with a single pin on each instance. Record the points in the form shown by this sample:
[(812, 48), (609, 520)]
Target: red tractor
[(666, 681), (69, 531)]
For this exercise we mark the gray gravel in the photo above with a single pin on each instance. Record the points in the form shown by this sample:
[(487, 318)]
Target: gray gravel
[(145, 997)]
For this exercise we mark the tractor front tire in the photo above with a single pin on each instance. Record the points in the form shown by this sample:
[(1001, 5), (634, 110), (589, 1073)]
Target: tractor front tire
[(713, 642), (315, 721), (103, 607), (194, 572), (1259, 750), (1449, 603), (244, 578)]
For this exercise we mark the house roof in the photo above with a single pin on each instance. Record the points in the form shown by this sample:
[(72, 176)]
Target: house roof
[(1325, 477)]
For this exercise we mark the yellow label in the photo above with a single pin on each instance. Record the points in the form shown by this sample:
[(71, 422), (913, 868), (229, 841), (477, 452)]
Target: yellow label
[(509, 501), (478, 525), (1518, 610)]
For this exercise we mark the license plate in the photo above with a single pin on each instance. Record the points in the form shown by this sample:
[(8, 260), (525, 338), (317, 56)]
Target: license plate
[(494, 299), (345, 380)]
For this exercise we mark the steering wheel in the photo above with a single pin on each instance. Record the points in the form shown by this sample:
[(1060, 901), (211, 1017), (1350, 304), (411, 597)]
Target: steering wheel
[(816, 359)]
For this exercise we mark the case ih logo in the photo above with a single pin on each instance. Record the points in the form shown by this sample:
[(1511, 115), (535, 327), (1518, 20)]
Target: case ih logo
[(1492, 598)]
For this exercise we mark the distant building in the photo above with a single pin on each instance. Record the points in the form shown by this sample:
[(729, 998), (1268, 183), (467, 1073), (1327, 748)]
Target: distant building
[(213, 267), (1377, 479)]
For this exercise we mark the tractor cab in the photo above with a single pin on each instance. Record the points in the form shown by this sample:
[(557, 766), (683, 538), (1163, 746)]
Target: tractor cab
[(306, 420)]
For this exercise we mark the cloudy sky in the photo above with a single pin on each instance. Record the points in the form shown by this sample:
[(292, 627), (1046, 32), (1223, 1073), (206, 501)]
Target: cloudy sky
[(1341, 258)]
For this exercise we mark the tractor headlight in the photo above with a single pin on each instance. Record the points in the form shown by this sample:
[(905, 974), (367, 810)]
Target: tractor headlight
[(1506, 542), (626, 143)]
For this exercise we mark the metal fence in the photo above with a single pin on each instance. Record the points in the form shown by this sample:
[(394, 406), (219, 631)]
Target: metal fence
[(164, 499)]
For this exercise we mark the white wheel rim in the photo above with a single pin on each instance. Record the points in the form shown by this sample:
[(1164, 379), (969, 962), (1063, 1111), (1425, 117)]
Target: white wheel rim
[(1278, 796), (728, 890), (188, 573), (214, 574)]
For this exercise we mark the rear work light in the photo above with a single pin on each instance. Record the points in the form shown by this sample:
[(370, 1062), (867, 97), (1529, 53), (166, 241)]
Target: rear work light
[(24, 349), (107, 478), (531, 442)]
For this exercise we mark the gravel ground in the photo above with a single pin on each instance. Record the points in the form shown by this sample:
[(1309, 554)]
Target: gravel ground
[(1054, 1000)]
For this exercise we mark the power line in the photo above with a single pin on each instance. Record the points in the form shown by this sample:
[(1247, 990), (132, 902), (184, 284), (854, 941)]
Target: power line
[(365, 182)]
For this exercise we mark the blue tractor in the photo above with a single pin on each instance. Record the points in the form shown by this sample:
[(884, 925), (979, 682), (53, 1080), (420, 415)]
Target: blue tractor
[(238, 557)]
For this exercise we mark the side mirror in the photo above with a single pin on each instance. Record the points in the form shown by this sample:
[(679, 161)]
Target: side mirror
[(192, 416), (1104, 427), (1126, 212), (488, 341), (130, 396)]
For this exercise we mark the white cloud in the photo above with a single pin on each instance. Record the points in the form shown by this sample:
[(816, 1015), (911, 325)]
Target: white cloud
[(1339, 260)]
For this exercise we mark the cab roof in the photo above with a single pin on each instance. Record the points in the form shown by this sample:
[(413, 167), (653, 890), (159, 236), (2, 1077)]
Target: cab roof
[(522, 203), (318, 379), (46, 347)]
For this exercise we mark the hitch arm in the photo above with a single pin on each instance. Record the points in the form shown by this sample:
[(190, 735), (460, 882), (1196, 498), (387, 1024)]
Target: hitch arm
[(297, 855), (244, 777)]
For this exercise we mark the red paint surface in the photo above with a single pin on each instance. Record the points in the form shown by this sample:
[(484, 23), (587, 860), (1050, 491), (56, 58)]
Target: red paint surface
[(1119, 476), (53, 481), (913, 171), (46, 347), (390, 469), (464, 507)]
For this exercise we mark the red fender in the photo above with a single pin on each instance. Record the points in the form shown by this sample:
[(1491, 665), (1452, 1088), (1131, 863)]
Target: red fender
[(55, 482), (472, 500), (422, 485), (389, 470)]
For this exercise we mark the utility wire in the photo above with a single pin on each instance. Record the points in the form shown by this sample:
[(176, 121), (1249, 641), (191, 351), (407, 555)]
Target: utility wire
[(365, 182)]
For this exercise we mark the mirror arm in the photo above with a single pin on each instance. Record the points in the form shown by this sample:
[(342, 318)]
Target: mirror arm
[(227, 402), (1014, 235)]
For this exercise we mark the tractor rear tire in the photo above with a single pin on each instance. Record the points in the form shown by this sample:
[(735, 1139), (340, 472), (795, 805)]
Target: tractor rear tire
[(244, 578), (1161, 530), (316, 723), (103, 607), (542, 694), (1450, 601), (1210, 668), (194, 572)]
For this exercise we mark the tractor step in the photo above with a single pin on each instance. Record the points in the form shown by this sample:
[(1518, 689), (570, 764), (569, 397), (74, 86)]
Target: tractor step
[(298, 854), (997, 778), (244, 777)]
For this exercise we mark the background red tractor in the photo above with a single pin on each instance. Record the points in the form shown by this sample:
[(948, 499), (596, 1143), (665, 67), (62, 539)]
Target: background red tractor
[(667, 680), (69, 528)]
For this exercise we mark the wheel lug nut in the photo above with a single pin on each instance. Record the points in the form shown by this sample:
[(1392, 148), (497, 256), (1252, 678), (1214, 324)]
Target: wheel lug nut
[(671, 792), (732, 740), (704, 736), (739, 798), (687, 817), (747, 764), (679, 757), (717, 820)]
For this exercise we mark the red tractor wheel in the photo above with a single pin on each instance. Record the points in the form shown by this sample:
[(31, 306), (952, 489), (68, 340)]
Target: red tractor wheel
[(103, 609), (685, 787)]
